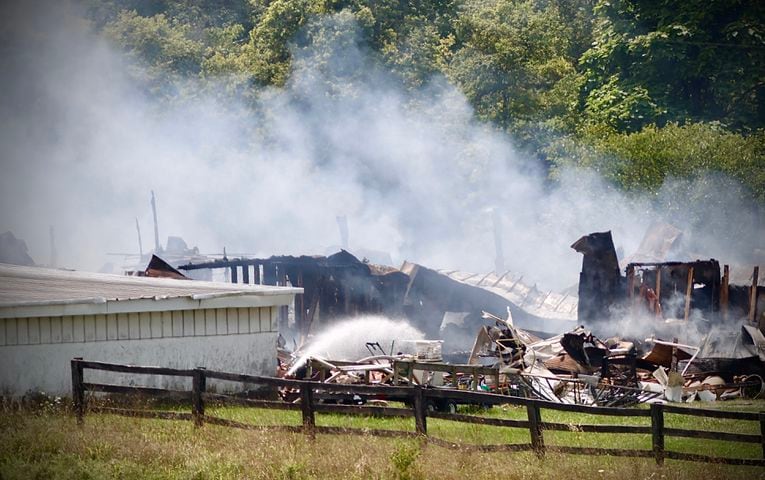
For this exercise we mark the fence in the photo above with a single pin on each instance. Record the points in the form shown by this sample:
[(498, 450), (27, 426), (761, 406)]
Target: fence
[(419, 399)]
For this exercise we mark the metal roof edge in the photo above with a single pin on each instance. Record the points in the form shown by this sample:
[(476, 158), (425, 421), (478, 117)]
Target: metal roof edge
[(101, 306)]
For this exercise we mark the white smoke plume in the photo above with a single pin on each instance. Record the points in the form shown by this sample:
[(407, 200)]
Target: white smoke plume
[(82, 144)]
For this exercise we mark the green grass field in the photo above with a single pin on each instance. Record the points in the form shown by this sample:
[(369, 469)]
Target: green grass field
[(46, 443)]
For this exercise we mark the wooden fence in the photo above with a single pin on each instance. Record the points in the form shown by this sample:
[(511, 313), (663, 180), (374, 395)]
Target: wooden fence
[(418, 398)]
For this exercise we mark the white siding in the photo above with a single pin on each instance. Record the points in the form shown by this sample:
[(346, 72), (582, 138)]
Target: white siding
[(135, 326)]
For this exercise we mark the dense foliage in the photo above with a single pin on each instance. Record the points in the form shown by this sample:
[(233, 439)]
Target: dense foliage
[(640, 90)]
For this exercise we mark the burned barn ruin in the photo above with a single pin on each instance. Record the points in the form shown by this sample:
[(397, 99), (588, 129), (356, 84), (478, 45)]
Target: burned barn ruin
[(435, 302), (662, 291)]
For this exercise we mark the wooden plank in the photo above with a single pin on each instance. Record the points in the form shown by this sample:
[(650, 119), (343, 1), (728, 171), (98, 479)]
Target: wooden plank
[(723, 436), (700, 412), (657, 432), (111, 388), (499, 422), (244, 378), (657, 307), (614, 452), (563, 427), (113, 367), (753, 297), (369, 411), (688, 292), (3, 323)]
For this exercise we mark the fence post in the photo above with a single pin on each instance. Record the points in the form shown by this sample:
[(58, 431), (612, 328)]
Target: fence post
[(199, 385), (78, 390), (657, 432), (306, 406), (762, 432), (420, 412), (535, 428)]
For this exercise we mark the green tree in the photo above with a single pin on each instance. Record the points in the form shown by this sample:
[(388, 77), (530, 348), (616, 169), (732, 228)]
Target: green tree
[(676, 60)]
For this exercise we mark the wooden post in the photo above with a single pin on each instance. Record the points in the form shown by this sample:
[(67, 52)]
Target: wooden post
[(753, 296), (535, 428), (725, 292), (198, 387), (78, 390), (245, 273), (762, 432), (306, 406), (657, 307), (234, 274), (688, 292), (420, 412), (657, 432)]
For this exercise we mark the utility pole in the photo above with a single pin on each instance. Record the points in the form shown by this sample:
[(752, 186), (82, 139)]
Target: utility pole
[(156, 228), (140, 244)]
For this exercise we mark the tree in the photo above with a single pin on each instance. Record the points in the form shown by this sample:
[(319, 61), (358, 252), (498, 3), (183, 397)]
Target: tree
[(676, 60)]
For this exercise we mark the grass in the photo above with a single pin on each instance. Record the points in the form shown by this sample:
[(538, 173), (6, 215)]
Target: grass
[(46, 443)]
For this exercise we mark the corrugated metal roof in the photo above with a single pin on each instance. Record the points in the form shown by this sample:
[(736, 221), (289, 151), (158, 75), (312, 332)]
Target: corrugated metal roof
[(550, 305), (25, 286)]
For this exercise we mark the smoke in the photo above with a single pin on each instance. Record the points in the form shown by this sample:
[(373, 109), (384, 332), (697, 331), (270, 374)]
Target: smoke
[(82, 144)]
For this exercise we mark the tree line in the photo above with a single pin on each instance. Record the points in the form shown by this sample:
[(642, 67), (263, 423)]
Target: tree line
[(639, 90)]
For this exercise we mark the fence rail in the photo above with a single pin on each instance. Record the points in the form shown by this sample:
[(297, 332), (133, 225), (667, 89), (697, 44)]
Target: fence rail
[(420, 399)]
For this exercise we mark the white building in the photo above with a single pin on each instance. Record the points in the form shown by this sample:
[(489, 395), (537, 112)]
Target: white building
[(47, 317)]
